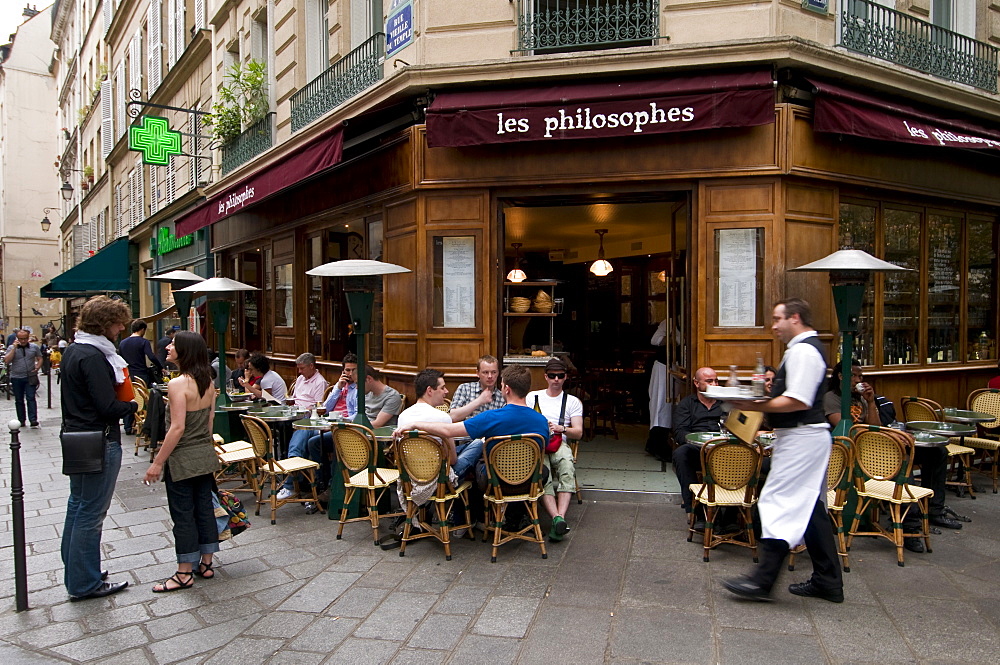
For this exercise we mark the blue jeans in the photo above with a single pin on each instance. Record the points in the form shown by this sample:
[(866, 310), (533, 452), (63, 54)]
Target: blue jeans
[(22, 391), (305, 443), (193, 514), (468, 455), (89, 499)]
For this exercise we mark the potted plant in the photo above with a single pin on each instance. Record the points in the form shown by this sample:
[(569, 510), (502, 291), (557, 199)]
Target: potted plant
[(88, 173), (241, 103)]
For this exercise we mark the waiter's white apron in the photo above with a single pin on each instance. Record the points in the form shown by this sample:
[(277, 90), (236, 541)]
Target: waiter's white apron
[(797, 478), (659, 406)]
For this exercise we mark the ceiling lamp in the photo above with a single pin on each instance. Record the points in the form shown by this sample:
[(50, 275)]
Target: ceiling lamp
[(600, 267), (516, 274)]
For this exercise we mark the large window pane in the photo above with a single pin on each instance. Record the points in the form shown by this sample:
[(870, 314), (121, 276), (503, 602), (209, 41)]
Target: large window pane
[(901, 293), (943, 287), (314, 306), (283, 302), (857, 231), (982, 294)]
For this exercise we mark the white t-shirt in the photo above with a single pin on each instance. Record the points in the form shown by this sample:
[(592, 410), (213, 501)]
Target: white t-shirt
[(550, 407), (274, 384), (421, 412)]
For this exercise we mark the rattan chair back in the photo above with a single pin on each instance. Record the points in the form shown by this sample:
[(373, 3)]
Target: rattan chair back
[(920, 408), (840, 463), (730, 465), (138, 381), (515, 459), (420, 458), (881, 453), (355, 446), (259, 433), (986, 400), (141, 397)]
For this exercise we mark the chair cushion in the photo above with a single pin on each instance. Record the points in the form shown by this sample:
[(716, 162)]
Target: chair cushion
[(723, 497), (235, 445), (244, 455), (955, 449), (360, 479), (977, 442), (883, 489), (293, 464)]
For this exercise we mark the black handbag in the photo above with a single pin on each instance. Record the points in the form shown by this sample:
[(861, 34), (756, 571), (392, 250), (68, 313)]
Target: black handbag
[(83, 452)]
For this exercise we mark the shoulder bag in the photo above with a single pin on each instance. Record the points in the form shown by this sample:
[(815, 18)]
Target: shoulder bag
[(83, 452), (556, 438)]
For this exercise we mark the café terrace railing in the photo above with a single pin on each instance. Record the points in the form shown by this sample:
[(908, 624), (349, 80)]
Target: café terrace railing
[(871, 29), (554, 26), (355, 72), (257, 138)]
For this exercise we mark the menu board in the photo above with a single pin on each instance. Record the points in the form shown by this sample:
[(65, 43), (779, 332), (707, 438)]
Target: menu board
[(737, 273), (458, 271)]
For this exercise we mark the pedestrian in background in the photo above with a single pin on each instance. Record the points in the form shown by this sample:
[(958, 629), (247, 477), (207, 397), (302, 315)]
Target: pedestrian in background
[(24, 359), (187, 462), (91, 368)]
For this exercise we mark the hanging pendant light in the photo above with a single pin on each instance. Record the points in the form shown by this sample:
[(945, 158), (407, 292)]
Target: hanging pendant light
[(516, 274), (600, 267)]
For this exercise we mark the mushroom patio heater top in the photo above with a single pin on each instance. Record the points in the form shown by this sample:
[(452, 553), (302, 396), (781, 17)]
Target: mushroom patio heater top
[(362, 278), (178, 279), (850, 270)]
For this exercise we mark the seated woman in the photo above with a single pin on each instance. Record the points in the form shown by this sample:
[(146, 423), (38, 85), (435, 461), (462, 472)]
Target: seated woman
[(864, 408)]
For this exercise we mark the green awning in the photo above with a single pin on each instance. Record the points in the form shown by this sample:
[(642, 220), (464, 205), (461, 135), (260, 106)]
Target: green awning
[(104, 272)]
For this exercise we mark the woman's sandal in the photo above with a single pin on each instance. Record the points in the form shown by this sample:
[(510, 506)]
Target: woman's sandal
[(205, 571), (163, 588)]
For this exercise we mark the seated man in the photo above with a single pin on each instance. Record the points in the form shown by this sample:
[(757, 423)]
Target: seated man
[(995, 381), (475, 397), (694, 413), (241, 357), (565, 415), (309, 386), (514, 418), (260, 377), (431, 392), (380, 399), (933, 460)]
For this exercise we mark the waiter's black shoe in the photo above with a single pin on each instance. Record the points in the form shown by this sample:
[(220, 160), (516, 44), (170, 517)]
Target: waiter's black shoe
[(810, 590), (914, 545), (946, 522), (104, 575), (106, 589), (744, 587)]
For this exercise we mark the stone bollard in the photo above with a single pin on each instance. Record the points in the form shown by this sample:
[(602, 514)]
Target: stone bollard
[(17, 510)]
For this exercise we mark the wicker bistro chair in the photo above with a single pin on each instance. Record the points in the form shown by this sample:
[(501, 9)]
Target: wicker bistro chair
[(142, 399), (838, 482), (421, 460), (514, 475), (238, 463), (357, 452), (730, 474), (574, 446), (921, 408), (987, 444), (882, 462), (269, 470)]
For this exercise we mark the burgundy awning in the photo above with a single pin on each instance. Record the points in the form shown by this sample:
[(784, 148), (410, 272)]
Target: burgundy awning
[(323, 153), (600, 110), (843, 111)]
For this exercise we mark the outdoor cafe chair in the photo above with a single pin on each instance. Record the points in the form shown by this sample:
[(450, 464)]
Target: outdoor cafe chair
[(882, 461), (514, 475), (238, 463), (428, 491), (838, 481), (270, 470), (141, 396), (921, 408), (730, 475), (986, 400), (574, 446), (357, 451)]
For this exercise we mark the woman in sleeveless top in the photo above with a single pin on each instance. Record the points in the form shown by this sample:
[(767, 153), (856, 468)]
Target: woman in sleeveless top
[(187, 462)]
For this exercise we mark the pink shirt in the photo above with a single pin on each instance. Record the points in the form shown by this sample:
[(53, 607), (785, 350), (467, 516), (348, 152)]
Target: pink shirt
[(306, 392)]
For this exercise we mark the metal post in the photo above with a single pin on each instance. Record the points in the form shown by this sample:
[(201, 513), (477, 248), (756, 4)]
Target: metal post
[(17, 510), (20, 312), (48, 384)]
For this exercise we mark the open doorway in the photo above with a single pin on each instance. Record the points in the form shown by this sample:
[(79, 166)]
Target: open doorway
[(603, 325)]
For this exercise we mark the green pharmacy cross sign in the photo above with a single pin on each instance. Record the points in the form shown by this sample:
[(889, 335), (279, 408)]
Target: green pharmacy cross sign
[(155, 140)]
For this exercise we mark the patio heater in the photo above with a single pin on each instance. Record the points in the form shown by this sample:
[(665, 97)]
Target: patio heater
[(362, 278), (178, 279), (850, 271)]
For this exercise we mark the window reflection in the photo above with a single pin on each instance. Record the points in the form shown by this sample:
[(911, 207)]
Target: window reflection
[(283, 302), (943, 288), (982, 290), (901, 290)]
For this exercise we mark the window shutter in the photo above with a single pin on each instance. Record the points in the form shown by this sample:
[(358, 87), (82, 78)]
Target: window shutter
[(92, 236), (169, 185), (193, 161), (119, 213), (135, 63), (171, 33), (179, 41), (199, 14), (140, 193), (79, 233), (108, 10), (120, 101), (154, 46), (102, 239), (107, 120), (152, 190)]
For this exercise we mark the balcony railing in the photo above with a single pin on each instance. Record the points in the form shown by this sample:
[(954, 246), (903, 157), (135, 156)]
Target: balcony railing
[(555, 26), (870, 28), (257, 138), (355, 72)]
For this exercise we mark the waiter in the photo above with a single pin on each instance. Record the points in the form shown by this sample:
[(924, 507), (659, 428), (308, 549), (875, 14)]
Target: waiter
[(791, 504), (658, 443)]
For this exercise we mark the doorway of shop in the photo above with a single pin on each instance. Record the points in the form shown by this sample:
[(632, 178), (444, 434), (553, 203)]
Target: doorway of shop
[(623, 332)]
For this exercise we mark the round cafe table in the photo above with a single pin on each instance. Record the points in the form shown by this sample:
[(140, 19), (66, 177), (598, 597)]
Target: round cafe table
[(944, 429), (316, 424), (968, 417), (701, 438), (282, 417)]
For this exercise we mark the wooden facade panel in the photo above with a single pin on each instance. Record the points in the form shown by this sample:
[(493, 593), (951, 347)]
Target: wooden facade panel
[(806, 201), (401, 288), (806, 242), (947, 388), (738, 200), (450, 209), (284, 247), (400, 216), (452, 353), (400, 352), (284, 344), (720, 354)]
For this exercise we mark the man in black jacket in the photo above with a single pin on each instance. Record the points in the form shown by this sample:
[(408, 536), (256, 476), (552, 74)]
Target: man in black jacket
[(90, 370), (694, 413)]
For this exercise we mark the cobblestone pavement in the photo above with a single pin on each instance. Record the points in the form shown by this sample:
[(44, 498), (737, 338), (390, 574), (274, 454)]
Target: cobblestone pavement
[(624, 587)]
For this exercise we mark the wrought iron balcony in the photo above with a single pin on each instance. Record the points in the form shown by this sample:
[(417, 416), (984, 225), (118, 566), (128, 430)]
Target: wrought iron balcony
[(870, 28), (355, 72), (561, 26), (257, 138)]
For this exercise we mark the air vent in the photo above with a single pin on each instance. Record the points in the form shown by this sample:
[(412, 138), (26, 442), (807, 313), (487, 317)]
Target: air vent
[(637, 246)]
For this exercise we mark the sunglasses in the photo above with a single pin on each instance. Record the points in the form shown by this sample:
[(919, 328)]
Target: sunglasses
[(552, 375)]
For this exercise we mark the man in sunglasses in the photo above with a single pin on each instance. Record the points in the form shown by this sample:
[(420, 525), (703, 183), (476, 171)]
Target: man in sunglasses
[(565, 415)]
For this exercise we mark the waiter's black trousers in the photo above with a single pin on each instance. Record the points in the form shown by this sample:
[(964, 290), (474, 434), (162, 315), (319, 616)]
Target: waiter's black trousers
[(822, 550)]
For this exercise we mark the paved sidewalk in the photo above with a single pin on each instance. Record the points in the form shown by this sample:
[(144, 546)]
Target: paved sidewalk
[(624, 587)]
